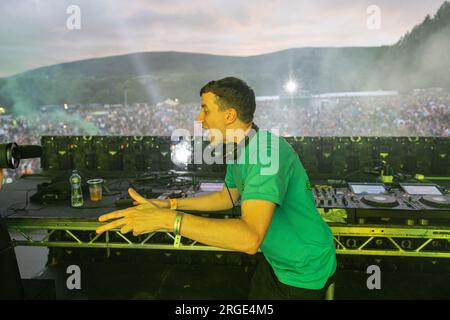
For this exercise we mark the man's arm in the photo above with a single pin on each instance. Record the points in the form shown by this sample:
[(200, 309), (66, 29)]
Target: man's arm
[(214, 201), (244, 234)]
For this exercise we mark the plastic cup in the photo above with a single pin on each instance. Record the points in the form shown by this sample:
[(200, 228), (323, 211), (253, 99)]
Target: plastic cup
[(95, 189)]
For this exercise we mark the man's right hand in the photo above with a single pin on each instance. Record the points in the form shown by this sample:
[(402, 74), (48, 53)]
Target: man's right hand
[(138, 199)]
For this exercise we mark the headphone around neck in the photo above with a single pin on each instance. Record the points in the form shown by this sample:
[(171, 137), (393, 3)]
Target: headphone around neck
[(237, 147)]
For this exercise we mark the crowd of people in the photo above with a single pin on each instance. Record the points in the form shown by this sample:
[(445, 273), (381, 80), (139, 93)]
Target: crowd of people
[(416, 114), (419, 113)]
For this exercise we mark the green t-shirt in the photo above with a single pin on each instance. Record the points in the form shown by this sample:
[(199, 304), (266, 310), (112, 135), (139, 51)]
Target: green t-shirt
[(299, 244)]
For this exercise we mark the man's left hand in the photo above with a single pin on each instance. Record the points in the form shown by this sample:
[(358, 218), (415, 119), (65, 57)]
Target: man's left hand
[(140, 219)]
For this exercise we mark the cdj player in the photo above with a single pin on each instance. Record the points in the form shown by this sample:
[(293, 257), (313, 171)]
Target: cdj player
[(432, 201), (373, 195), (411, 202), (427, 195)]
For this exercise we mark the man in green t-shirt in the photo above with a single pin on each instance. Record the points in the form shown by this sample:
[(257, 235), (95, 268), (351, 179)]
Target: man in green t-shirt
[(278, 214)]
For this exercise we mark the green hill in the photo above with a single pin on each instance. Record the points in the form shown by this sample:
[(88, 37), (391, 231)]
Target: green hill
[(419, 59)]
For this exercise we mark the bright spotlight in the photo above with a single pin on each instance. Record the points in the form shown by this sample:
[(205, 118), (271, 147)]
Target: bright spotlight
[(291, 87), (181, 153)]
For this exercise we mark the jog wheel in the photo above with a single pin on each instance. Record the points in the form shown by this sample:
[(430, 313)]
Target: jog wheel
[(380, 200), (436, 201)]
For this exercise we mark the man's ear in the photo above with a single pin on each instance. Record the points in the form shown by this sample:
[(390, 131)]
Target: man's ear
[(230, 115)]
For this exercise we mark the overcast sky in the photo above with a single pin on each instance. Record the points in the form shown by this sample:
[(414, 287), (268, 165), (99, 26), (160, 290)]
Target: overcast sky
[(34, 33)]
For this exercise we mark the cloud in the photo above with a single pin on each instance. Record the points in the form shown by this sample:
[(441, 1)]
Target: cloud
[(33, 33)]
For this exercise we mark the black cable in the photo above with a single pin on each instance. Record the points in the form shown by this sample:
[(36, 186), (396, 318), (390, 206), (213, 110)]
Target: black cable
[(231, 198), (246, 141), (26, 203), (361, 169), (109, 192), (25, 208)]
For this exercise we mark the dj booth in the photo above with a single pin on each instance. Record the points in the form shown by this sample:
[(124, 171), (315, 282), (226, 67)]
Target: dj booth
[(79, 227), (381, 196)]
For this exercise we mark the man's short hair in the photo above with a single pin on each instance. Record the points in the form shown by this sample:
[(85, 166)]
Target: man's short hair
[(234, 93)]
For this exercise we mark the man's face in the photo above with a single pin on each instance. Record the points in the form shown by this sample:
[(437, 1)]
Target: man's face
[(212, 118)]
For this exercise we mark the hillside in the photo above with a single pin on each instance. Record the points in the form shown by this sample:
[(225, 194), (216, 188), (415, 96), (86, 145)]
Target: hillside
[(419, 59)]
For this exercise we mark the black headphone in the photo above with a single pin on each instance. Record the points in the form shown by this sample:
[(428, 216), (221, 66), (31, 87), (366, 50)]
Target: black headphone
[(237, 147)]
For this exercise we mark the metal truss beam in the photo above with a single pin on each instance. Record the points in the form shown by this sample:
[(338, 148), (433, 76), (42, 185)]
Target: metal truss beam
[(380, 240)]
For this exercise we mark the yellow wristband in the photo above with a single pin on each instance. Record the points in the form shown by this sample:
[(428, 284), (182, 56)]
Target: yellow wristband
[(173, 204), (177, 223)]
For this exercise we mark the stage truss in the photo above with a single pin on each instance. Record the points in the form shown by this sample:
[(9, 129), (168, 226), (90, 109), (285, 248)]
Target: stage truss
[(372, 240)]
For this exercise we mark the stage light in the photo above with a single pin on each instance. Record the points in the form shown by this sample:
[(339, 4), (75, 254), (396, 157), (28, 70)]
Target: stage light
[(181, 153), (290, 86)]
